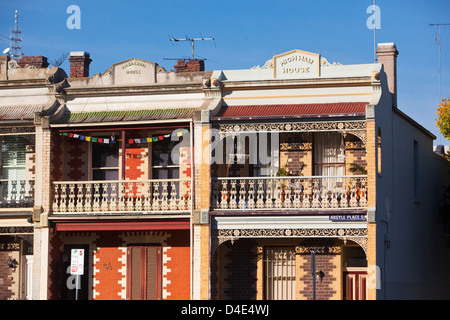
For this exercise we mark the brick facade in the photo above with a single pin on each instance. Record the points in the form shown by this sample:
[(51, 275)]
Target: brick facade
[(108, 262), (9, 278)]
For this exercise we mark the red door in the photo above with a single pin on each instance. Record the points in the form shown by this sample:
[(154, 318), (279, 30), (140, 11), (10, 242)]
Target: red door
[(355, 285), (144, 273)]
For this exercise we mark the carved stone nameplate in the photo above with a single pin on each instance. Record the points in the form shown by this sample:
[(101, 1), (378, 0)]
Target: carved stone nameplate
[(134, 71), (296, 64)]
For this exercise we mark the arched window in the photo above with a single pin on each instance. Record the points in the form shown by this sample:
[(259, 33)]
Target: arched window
[(379, 151)]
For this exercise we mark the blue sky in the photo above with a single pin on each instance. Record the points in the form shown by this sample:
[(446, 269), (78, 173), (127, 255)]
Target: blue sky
[(247, 33)]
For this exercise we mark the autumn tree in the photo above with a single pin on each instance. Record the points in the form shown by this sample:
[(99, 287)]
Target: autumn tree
[(443, 120)]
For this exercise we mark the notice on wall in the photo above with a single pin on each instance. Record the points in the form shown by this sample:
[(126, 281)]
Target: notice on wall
[(77, 261)]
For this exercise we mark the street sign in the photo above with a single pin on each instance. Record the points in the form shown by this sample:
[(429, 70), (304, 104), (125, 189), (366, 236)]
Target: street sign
[(77, 261)]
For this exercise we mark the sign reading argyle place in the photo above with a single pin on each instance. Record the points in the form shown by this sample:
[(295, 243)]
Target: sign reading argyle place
[(296, 64)]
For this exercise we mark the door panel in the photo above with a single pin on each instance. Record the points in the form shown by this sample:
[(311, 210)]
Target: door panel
[(355, 285), (144, 273)]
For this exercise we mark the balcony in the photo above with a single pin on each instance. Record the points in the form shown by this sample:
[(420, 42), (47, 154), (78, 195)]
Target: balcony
[(290, 193), (17, 193), (165, 196)]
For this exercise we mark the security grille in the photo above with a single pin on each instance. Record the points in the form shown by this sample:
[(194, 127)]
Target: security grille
[(279, 266)]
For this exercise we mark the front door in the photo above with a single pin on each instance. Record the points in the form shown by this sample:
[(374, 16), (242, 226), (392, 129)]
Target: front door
[(355, 285), (279, 265), (144, 273)]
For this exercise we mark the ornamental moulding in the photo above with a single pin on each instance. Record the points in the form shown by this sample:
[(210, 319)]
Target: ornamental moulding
[(344, 126), (356, 128), (356, 235), (326, 232), (17, 130)]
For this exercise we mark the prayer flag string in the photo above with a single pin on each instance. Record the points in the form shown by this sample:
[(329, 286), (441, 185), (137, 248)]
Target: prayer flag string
[(113, 140)]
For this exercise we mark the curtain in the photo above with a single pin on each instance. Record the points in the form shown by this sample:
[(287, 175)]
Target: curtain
[(328, 154)]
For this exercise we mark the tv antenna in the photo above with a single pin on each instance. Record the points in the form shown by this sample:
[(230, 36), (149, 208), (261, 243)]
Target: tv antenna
[(191, 40), (16, 40), (438, 42)]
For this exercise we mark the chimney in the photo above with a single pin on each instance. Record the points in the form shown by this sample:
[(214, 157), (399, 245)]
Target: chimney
[(387, 55), (33, 61), (79, 64), (191, 65)]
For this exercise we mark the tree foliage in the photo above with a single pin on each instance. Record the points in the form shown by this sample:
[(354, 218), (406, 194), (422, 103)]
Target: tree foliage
[(443, 120)]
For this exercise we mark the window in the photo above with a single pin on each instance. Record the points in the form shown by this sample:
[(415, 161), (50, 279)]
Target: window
[(279, 264), (329, 155), (13, 167), (105, 162), (162, 162), (379, 151), (416, 169)]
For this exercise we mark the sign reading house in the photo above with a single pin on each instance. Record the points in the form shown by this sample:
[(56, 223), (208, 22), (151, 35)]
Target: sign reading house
[(296, 64), (134, 71)]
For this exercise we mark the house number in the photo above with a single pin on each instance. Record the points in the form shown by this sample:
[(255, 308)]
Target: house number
[(107, 266)]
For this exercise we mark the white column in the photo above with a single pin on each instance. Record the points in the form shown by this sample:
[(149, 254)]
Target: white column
[(29, 277)]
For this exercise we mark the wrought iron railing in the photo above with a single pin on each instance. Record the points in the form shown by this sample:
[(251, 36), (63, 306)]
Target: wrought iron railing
[(293, 193), (18, 193), (102, 197)]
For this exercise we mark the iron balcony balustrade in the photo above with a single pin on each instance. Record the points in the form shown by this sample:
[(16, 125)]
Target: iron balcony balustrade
[(122, 197), (290, 193), (16, 193)]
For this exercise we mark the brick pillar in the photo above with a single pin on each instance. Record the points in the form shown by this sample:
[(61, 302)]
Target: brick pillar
[(191, 65), (79, 64), (371, 150), (387, 55), (43, 201), (33, 61), (202, 184)]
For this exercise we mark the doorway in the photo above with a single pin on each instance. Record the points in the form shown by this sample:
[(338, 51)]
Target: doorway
[(144, 272)]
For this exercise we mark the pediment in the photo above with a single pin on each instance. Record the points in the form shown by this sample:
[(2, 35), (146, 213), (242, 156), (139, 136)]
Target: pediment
[(134, 71), (296, 64)]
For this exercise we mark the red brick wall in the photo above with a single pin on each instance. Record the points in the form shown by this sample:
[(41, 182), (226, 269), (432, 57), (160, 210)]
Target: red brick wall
[(6, 276), (109, 267), (107, 262), (179, 275), (77, 164), (324, 291), (56, 156), (54, 267), (134, 163)]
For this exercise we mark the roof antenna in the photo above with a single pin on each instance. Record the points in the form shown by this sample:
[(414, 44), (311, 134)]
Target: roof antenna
[(191, 40), (438, 42), (16, 40)]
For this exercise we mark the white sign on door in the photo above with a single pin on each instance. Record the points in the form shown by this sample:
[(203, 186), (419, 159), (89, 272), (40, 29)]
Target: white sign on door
[(77, 261)]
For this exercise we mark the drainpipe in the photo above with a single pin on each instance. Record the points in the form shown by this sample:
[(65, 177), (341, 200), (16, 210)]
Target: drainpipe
[(191, 146), (123, 155)]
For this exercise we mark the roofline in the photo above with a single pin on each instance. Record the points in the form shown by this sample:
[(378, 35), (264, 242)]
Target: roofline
[(295, 83), (413, 122), (287, 117), (121, 123)]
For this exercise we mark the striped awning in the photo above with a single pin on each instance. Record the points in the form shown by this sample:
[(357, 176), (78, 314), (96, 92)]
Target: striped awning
[(125, 116), (19, 113), (292, 110)]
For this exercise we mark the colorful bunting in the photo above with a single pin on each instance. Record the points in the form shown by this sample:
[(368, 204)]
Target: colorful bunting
[(130, 141)]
